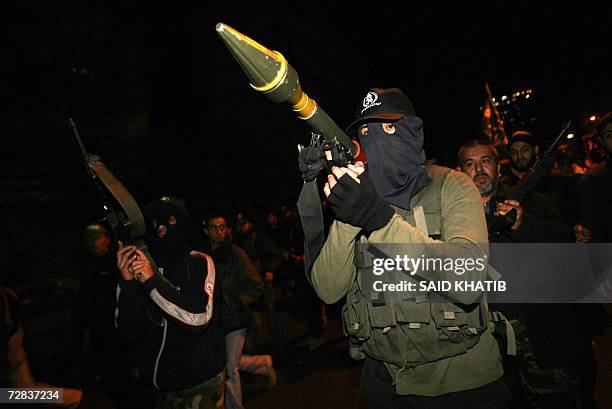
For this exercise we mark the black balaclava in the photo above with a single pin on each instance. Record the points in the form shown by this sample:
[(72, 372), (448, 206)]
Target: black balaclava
[(167, 231), (395, 161)]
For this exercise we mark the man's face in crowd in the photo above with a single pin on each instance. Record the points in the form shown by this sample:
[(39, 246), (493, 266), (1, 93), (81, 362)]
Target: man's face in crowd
[(217, 230), (100, 245), (606, 138), (272, 220), (480, 164), (522, 155)]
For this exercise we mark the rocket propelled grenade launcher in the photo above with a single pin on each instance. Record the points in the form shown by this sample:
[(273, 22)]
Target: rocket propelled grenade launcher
[(271, 74)]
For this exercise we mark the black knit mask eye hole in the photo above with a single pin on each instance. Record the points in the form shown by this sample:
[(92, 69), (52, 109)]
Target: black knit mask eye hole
[(172, 221), (389, 128)]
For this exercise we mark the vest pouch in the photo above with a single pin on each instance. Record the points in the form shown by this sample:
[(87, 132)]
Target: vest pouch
[(414, 317), (454, 335), (355, 317), (414, 310), (383, 316), (446, 314)]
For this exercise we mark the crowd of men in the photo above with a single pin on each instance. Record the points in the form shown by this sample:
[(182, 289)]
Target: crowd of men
[(182, 318), (440, 349), (210, 309)]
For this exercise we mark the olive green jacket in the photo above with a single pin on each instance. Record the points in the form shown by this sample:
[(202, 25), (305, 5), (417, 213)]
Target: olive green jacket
[(461, 223)]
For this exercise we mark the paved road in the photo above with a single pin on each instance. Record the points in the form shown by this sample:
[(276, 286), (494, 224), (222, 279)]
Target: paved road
[(329, 379), (325, 378)]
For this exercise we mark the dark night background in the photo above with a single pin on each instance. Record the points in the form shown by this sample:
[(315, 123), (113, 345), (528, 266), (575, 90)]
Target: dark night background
[(157, 95)]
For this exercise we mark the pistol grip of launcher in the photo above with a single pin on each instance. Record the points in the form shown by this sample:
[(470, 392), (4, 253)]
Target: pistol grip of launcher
[(336, 154)]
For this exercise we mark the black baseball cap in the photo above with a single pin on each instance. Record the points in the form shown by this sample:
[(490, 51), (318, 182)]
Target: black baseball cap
[(389, 103)]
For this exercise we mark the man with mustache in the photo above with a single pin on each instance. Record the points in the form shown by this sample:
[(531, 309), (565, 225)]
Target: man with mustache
[(537, 221), (524, 152)]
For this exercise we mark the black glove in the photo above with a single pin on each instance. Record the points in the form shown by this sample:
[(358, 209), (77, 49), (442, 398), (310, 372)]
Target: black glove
[(358, 204), (310, 162)]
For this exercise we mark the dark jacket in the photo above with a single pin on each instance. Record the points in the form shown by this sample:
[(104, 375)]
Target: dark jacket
[(97, 302), (242, 285), (265, 255), (561, 188), (177, 327), (543, 223), (596, 202), (563, 191)]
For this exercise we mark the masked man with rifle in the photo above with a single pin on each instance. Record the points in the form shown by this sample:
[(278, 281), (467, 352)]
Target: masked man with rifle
[(409, 361), (173, 312), (543, 373)]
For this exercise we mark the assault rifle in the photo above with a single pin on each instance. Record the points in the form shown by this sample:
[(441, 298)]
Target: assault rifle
[(119, 222), (539, 170)]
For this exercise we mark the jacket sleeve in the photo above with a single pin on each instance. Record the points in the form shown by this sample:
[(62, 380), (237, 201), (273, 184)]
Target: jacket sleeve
[(190, 308), (130, 315), (463, 235), (252, 284), (333, 272)]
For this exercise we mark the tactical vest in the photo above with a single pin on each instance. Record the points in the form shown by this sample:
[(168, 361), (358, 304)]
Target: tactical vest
[(411, 329)]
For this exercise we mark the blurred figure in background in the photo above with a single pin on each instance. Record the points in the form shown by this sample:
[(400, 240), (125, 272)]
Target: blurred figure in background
[(269, 259), (596, 191), (95, 320), (242, 288)]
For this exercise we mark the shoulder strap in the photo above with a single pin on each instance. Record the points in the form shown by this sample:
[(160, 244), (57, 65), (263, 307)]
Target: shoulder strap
[(430, 198), (427, 204)]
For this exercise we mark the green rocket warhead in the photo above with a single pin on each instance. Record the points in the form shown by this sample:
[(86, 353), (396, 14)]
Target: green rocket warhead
[(270, 73)]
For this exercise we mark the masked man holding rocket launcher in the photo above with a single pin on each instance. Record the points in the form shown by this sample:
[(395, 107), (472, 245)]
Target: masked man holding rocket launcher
[(427, 351)]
